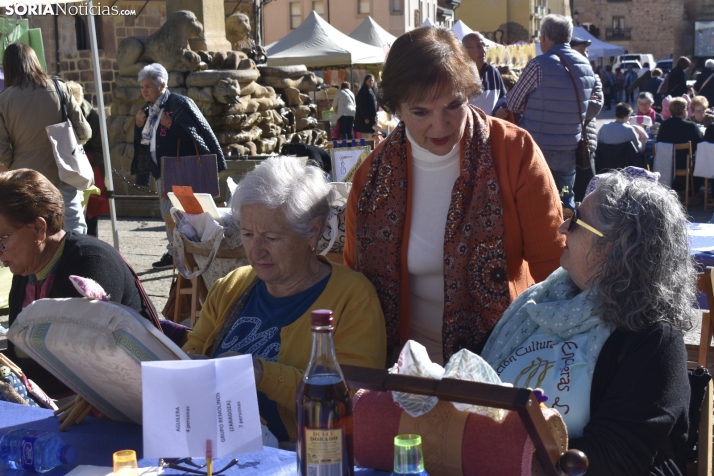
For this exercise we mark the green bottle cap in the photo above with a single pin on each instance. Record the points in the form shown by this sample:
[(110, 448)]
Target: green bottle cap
[(408, 457)]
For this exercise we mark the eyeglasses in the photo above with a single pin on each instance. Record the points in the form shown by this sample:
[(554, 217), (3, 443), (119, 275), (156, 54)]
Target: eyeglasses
[(575, 219), (178, 463), (2, 246)]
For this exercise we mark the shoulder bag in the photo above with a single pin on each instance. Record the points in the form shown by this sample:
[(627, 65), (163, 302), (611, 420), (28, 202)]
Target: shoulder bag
[(72, 162), (200, 172), (582, 152)]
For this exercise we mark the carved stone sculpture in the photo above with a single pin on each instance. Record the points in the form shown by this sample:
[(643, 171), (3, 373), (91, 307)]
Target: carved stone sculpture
[(168, 46), (238, 33)]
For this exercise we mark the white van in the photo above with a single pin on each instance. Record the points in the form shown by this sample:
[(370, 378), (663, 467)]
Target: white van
[(642, 58)]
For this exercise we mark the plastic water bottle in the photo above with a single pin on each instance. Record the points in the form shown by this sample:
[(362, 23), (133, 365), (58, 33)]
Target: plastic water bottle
[(344, 142), (362, 142), (335, 144), (35, 450), (354, 142)]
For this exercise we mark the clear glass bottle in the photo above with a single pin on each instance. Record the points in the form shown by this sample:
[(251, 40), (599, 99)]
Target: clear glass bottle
[(324, 408), (35, 450)]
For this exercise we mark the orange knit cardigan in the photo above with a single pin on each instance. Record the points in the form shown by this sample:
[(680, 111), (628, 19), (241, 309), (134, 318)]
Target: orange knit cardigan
[(532, 213)]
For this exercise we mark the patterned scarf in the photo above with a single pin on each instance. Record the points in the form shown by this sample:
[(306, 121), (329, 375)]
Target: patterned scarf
[(475, 274), (148, 132), (556, 305)]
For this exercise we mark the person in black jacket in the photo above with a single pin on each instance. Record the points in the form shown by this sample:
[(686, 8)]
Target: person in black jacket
[(705, 82), (366, 116), (677, 78), (709, 134), (653, 86), (41, 257), (677, 130), (603, 335), (167, 120)]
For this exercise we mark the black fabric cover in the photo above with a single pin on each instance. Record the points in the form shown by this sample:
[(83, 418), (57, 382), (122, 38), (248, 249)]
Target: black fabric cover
[(318, 155), (617, 156)]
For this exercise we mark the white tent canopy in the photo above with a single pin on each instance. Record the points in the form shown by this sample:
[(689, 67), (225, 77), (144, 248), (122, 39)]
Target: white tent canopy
[(427, 22), (597, 48), (461, 29), (316, 43), (371, 33), (109, 180)]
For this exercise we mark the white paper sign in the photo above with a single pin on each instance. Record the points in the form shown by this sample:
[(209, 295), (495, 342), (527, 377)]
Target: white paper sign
[(187, 402), (346, 161)]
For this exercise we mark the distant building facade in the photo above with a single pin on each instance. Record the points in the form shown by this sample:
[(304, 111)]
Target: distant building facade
[(659, 27), (509, 21), (395, 16)]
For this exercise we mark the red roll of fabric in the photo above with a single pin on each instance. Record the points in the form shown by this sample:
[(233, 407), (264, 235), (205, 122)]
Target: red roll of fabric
[(481, 445)]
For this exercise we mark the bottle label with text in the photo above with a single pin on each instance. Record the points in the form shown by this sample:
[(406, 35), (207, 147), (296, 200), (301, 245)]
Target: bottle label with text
[(324, 451)]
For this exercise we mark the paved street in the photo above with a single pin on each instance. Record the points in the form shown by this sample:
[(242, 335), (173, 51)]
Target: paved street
[(141, 242)]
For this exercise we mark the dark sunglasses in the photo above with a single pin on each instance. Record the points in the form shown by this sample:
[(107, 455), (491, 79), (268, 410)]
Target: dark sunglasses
[(575, 219)]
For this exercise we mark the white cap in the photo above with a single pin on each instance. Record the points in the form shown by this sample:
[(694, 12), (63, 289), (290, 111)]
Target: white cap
[(709, 64)]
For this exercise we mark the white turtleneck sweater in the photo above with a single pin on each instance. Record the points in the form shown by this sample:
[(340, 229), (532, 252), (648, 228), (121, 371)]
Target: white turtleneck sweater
[(433, 182)]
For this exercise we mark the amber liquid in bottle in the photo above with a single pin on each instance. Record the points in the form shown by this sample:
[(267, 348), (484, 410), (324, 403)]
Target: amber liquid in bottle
[(324, 409)]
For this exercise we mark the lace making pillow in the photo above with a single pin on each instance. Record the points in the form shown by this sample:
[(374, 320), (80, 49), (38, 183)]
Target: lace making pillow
[(95, 348)]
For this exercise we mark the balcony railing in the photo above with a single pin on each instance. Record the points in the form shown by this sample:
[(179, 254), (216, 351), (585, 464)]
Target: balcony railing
[(618, 33)]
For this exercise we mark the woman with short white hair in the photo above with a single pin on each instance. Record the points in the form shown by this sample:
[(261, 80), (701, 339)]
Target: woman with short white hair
[(263, 309), (645, 101), (169, 125)]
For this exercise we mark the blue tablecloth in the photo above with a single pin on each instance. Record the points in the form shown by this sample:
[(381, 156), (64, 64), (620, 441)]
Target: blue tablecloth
[(701, 241), (96, 439)]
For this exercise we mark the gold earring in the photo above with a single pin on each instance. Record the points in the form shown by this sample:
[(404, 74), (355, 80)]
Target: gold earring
[(312, 248)]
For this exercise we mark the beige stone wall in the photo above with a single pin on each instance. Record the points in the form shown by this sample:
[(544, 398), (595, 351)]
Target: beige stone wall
[(76, 65), (653, 22)]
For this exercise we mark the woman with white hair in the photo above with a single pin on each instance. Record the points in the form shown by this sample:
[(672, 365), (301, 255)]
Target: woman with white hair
[(645, 101), (263, 309), (701, 114), (169, 125), (603, 335)]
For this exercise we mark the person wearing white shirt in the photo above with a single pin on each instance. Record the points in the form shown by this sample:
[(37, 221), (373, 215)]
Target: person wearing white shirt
[(345, 106)]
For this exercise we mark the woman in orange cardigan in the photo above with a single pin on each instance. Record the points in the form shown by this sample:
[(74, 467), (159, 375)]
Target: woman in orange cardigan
[(455, 213)]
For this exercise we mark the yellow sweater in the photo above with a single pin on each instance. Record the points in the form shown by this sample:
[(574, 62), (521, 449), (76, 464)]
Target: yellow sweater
[(360, 336)]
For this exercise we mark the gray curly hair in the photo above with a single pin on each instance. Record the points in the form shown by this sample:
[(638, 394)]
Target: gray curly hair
[(302, 191), (648, 274)]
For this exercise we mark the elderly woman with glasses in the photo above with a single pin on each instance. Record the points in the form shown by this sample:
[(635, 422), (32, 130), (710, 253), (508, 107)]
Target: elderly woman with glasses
[(42, 257), (699, 105), (264, 309), (603, 335)]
